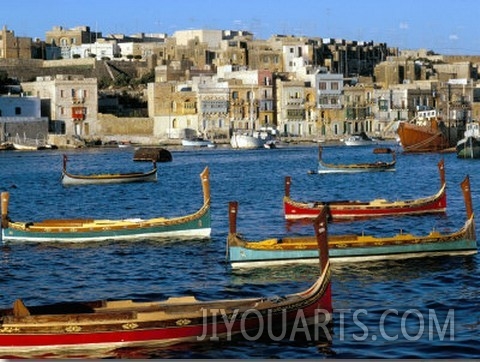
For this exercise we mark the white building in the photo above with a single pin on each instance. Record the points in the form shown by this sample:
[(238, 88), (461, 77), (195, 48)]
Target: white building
[(99, 50), (20, 119)]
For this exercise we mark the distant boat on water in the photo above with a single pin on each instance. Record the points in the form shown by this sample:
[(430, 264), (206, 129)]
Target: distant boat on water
[(197, 142), (469, 145), (251, 139), (360, 139)]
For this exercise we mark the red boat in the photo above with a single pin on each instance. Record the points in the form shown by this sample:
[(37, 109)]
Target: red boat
[(107, 328), (425, 133), (351, 210)]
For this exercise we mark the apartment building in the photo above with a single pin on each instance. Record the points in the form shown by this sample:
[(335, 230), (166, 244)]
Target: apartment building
[(70, 102)]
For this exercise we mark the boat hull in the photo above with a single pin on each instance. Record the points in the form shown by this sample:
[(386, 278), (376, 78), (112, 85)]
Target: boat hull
[(74, 180), (98, 333), (241, 257), (240, 141), (376, 166), (197, 143), (418, 138), (355, 210), (381, 167), (196, 226), (468, 148)]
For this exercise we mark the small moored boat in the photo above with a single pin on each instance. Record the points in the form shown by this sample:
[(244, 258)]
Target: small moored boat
[(351, 247), (377, 166), (360, 139), (197, 224), (197, 142), (101, 329), (71, 179), (354, 209)]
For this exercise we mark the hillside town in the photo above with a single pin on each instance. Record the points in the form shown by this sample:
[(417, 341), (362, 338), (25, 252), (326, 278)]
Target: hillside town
[(78, 87)]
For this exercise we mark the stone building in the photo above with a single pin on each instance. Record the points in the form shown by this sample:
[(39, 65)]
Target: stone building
[(70, 102), (213, 106), (66, 38), (291, 104), (173, 107), (12, 47)]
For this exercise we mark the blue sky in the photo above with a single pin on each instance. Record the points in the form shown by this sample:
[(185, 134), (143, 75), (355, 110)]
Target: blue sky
[(446, 27)]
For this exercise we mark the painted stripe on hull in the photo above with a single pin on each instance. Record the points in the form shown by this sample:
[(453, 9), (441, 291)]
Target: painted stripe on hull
[(239, 256), (195, 228)]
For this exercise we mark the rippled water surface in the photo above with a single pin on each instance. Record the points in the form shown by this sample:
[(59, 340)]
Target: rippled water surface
[(416, 308)]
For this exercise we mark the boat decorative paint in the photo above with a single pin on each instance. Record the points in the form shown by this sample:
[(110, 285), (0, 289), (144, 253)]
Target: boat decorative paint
[(99, 329), (341, 210), (195, 225), (377, 166), (69, 179), (243, 253)]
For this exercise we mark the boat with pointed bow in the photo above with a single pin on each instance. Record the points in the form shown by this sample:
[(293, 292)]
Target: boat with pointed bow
[(69, 179), (197, 224), (98, 329), (341, 210), (377, 166)]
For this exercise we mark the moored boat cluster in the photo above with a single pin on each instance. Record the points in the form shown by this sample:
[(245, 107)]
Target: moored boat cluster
[(99, 326)]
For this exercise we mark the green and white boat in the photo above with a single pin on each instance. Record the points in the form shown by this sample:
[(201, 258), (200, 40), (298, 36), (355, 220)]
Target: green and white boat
[(195, 225)]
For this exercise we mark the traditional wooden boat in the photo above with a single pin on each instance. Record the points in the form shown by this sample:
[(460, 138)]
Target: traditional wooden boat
[(69, 179), (426, 133), (100, 328), (356, 167), (197, 224), (354, 209), (352, 248)]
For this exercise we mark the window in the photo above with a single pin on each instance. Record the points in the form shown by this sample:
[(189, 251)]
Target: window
[(322, 85), (18, 111), (334, 85), (383, 105), (62, 93)]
